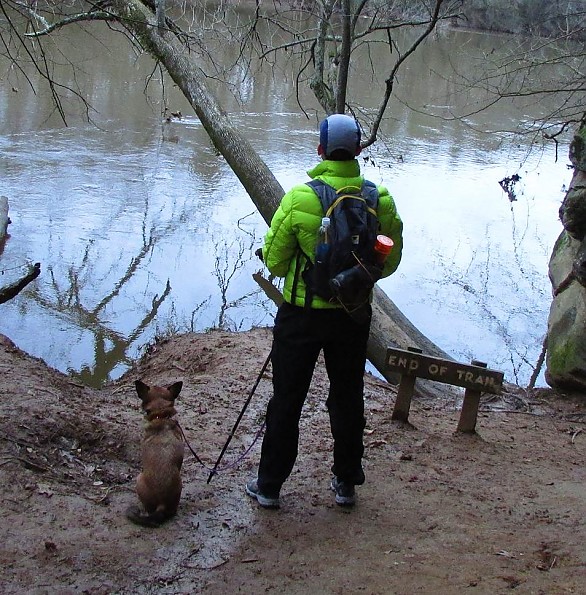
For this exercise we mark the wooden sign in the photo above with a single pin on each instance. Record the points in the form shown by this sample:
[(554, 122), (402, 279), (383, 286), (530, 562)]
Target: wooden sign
[(475, 377)]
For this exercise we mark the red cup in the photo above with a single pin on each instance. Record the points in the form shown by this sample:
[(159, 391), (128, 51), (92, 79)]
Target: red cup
[(382, 248)]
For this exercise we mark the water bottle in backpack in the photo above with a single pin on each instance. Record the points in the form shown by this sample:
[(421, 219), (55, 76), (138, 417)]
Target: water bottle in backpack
[(322, 251)]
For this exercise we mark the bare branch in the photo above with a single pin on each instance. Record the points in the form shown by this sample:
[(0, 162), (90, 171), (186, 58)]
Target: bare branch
[(389, 83), (77, 18)]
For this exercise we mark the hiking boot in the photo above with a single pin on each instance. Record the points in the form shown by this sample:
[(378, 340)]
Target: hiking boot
[(264, 500), (345, 495)]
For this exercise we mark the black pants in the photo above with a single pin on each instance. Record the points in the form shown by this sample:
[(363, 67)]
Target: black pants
[(298, 337)]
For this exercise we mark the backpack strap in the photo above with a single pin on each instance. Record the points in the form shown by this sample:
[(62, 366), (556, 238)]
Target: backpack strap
[(325, 193), (370, 194)]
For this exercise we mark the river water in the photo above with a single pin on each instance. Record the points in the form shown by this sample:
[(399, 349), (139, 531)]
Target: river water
[(142, 230)]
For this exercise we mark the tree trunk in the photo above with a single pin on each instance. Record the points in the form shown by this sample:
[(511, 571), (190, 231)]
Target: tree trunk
[(390, 328), (4, 219), (344, 59)]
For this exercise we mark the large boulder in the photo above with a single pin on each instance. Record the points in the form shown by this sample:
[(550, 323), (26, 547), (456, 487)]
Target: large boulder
[(566, 334)]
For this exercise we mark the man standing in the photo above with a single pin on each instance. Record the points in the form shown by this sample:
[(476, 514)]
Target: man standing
[(304, 327)]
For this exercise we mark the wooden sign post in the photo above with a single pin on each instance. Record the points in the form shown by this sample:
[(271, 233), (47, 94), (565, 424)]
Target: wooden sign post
[(476, 378)]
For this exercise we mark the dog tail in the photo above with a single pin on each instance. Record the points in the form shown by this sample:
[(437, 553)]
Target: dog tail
[(153, 519)]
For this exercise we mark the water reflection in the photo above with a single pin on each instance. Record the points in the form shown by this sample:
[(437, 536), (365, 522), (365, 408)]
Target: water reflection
[(139, 236)]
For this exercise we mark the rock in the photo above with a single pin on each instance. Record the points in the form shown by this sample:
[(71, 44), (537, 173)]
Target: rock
[(561, 260), (579, 265), (566, 325), (578, 148), (566, 347), (573, 208)]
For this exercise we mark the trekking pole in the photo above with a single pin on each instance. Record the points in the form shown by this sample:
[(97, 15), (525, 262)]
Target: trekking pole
[(264, 367)]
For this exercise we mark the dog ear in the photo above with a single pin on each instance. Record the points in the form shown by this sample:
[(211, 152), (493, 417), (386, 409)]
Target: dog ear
[(142, 389), (175, 389)]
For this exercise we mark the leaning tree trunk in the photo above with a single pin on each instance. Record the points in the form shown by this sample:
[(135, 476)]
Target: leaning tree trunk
[(389, 327), (4, 219)]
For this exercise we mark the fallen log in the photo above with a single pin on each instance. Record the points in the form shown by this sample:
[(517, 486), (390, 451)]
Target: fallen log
[(8, 292)]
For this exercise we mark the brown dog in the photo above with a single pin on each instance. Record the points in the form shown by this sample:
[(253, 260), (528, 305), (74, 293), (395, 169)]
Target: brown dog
[(159, 485)]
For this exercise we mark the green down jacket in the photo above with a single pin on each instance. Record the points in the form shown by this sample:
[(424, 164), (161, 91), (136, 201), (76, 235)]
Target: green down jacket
[(295, 227)]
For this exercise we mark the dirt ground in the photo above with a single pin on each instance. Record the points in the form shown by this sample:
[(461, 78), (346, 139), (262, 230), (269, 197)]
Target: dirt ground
[(441, 512)]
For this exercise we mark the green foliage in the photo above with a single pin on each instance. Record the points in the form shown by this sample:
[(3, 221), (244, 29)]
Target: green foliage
[(532, 17)]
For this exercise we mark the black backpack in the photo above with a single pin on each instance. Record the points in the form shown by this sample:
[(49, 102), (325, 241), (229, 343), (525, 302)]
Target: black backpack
[(349, 271)]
